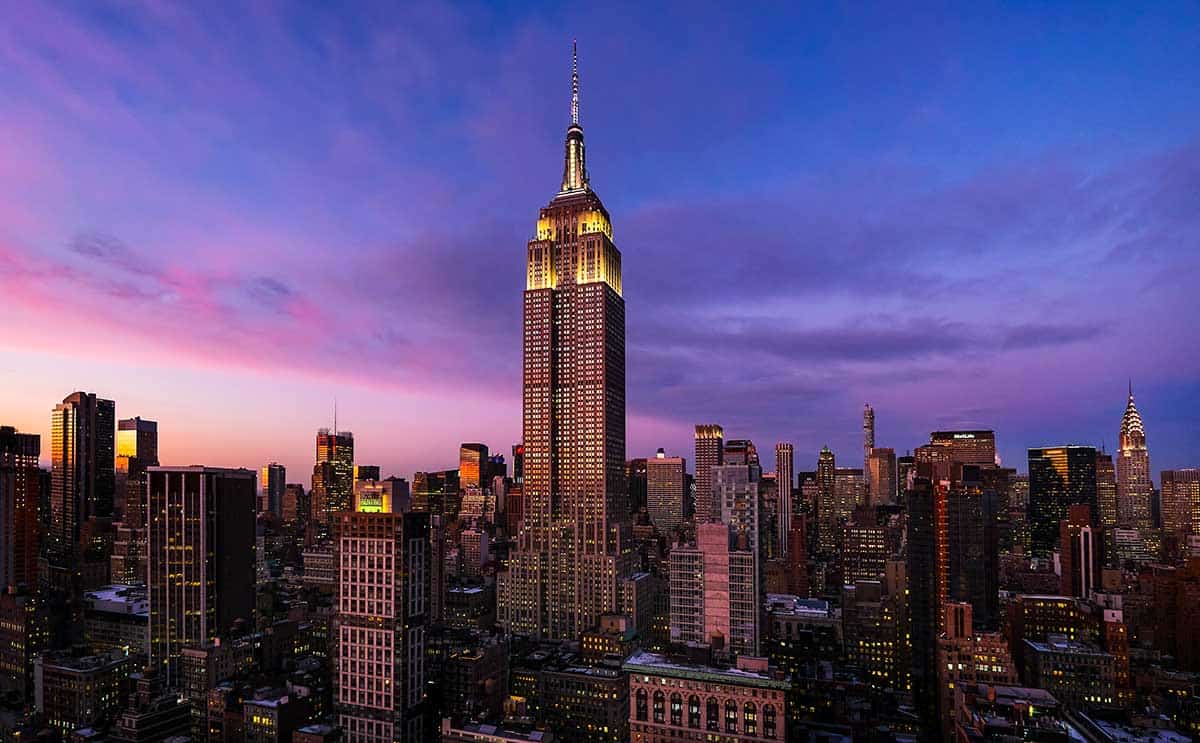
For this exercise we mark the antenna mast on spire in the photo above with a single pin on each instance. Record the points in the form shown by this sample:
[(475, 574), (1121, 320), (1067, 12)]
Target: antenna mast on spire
[(574, 82)]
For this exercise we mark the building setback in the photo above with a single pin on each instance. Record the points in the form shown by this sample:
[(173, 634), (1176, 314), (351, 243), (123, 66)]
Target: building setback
[(574, 549)]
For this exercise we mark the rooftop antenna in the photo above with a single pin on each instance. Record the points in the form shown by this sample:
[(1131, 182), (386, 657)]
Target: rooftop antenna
[(574, 81)]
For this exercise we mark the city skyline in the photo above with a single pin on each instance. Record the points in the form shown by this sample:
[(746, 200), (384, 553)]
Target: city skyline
[(966, 558), (216, 270)]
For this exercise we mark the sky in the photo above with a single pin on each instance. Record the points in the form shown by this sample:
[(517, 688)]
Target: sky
[(225, 217)]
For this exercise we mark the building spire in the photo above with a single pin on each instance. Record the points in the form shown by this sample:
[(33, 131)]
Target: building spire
[(575, 176), (574, 82)]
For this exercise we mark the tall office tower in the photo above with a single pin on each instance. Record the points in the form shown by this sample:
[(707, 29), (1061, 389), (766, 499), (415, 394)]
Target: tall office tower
[(710, 452), (826, 510), (294, 505), (518, 454), (665, 492), (1180, 502), (741, 451), (863, 549), (904, 465), (635, 481), (333, 476), (472, 462), (1134, 488), (927, 566), (1107, 515), (273, 482), (201, 550), (967, 447), (868, 434), (366, 472), (881, 477), (970, 554), (715, 591), (82, 430), (1059, 476), (785, 480), (1079, 555), (574, 550), (137, 449), (735, 493), (383, 608), (19, 478)]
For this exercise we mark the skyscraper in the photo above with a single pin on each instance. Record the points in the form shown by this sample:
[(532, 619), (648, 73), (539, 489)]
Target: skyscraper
[(665, 492), (785, 478), (710, 452), (826, 506), (1079, 555), (383, 608), (573, 551), (274, 480), (928, 569), (472, 465), (19, 477), (715, 591), (137, 449), (1181, 502), (202, 551), (333, 476), (881, 476), (82, 431), (967, 447), (868, 434), (1134, 488), (1059, 476)]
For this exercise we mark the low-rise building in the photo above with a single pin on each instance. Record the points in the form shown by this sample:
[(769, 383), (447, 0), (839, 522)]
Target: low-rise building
[(117, 617), (1078, 674), (671, 699), (474, 732), (74, 692)]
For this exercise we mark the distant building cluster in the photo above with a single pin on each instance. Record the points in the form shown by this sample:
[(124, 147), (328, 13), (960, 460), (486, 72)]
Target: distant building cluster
[(572, 593)]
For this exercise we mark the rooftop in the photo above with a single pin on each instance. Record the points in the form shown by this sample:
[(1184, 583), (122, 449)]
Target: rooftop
[(659, 665)]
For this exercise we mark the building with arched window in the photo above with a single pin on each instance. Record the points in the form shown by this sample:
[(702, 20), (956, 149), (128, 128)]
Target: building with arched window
[(670, 700)]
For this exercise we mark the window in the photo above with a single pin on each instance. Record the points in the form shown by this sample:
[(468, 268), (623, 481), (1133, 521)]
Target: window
[(769, 720), (642, 705), (751, 718), (714, 714), (659, 707), (731, 716), (676, 709), (693, 711)]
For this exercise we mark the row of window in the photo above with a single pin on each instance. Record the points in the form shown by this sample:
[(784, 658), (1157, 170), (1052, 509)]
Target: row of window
[(749, 713)]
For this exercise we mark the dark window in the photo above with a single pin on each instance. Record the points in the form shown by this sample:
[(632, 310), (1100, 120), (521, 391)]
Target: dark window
[(769, 720), (731, 716), (693, 711), (676, 709), (642, 704), (714, 714), (660, 704)]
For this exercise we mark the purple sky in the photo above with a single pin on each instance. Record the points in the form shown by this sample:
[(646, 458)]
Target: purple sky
[(224, 218)]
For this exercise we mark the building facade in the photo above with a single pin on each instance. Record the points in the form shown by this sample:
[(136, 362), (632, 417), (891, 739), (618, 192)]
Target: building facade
[(675, 700), (710, 452), (83, 477), (383, 607), (666, 491), (1059, 476), (574, 549), (201, 547)]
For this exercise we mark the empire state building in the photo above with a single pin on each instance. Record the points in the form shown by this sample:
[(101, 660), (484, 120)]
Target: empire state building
[(573, 549)]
